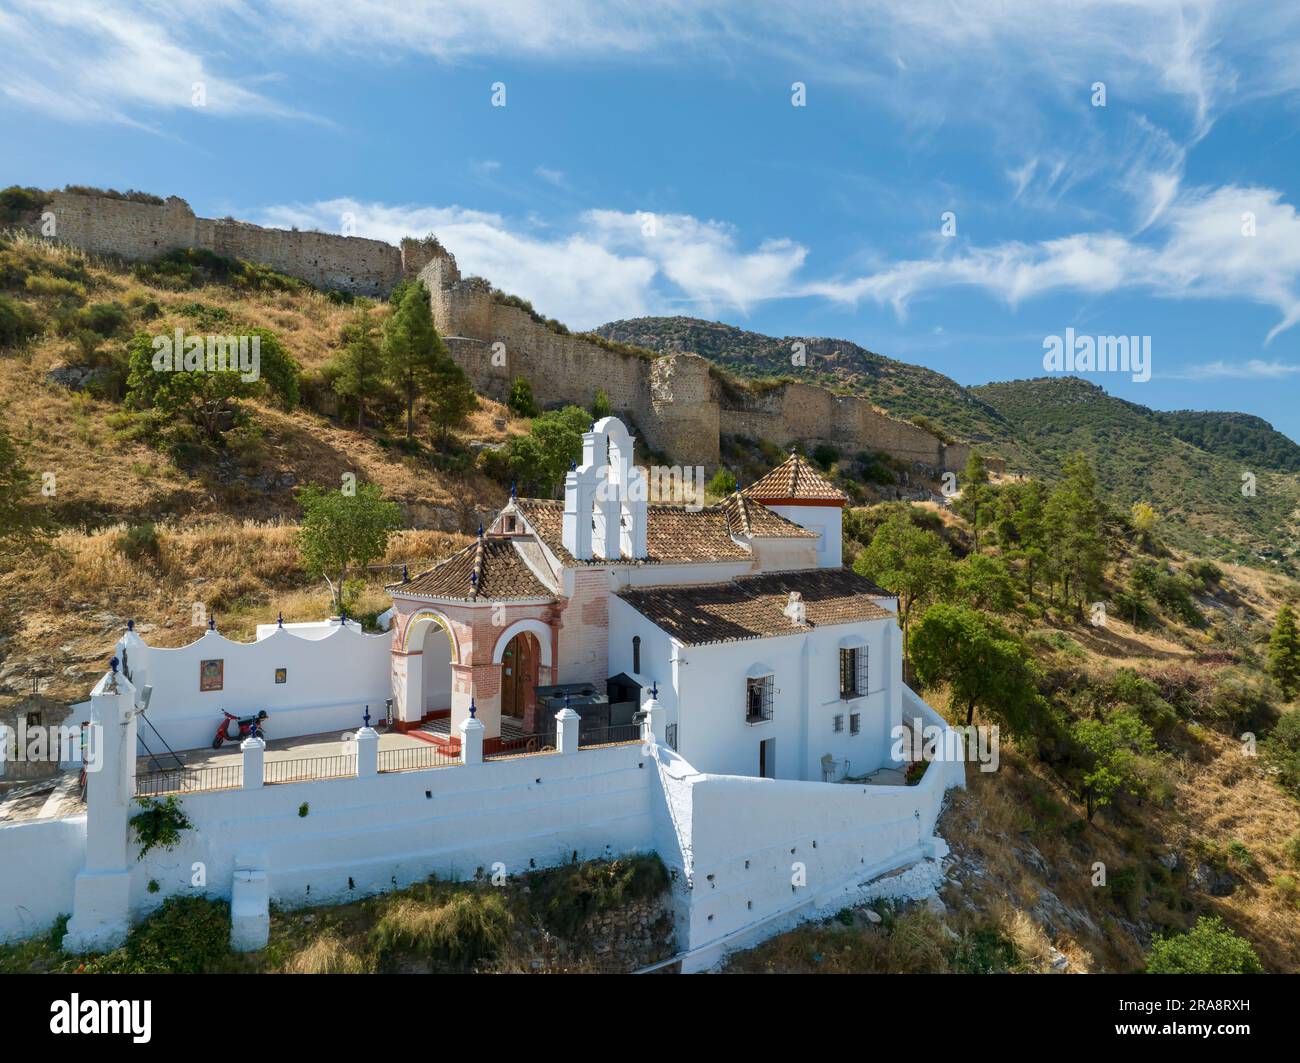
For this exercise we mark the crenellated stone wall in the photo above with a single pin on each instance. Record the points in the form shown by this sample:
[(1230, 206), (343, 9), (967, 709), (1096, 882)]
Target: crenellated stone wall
[(679, 408)]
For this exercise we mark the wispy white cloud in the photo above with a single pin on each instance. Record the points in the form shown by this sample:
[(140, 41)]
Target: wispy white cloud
[(982, 57), (93, 61), (607, 265), (1251, 369), (1210, 244), (1222, 243)]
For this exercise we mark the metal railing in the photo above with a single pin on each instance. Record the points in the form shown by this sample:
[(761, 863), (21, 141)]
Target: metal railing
[(619, 734), (415, 758), (520, 745), (189, 780), (308, 768)]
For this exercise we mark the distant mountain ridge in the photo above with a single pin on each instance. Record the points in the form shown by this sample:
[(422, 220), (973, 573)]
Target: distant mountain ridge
[(1189, 464)]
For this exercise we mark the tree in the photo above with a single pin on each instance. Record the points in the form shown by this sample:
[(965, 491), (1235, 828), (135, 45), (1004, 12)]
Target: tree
[(1208, 948), (205, 397), (24, 523), (976, 502), (984, 582), (449, 398), (343, 532), (1144, 517), (1113, 750), (907, 561), (412, 348), (360, 362), (553, 443), (984, 666), (521, 401), (1284, 653), (723, 483), (1073, 520), (600, 407)]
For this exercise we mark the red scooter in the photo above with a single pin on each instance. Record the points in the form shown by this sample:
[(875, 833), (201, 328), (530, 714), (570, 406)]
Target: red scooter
[(234, 728)]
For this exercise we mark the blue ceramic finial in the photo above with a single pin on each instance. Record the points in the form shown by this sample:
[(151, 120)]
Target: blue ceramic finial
[(473, 709), (212, 622), (514, 488), (366, 717), (406, 575), (112, 664), (654, 690), (280, 618), (130, 625), (343, 614)]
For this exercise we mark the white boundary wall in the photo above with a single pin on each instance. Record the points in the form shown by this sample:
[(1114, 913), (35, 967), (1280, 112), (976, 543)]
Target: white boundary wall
[(329, 680), (731, 842)]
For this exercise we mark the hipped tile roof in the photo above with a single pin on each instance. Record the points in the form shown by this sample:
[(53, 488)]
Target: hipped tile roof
[(795, 478), (752, 607), (674, 534), (489, 569), (750, 519)]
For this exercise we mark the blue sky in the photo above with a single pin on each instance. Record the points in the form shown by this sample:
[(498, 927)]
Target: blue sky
[(1168, 212)]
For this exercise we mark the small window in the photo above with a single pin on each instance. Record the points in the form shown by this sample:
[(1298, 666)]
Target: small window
[(670, 734), (758, 699), (855, 723), (853, 672), (33, 719), (839, 723), (636, 654), (510, 524)]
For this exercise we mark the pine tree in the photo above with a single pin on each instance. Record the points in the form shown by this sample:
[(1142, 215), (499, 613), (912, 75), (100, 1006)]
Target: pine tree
[(1284, 653), (449, 397), (412, 349), (360, 363)]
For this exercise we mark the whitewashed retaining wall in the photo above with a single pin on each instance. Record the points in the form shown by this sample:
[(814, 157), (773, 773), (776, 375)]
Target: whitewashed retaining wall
[(39, 859), (366, 835), (731, 842), (329, 680)]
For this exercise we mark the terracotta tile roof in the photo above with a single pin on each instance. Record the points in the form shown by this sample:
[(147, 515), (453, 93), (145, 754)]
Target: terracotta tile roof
[(750, 518), (674, 534), (488, 569), (795, 478), (755, 607)]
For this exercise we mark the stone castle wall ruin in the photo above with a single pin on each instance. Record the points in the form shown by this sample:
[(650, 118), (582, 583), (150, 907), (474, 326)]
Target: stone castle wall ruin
[(677, 404)]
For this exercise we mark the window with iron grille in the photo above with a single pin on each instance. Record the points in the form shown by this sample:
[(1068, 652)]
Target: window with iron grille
[(671, 736), (855, 723), (839, 723), (853, 672), (758, 699)]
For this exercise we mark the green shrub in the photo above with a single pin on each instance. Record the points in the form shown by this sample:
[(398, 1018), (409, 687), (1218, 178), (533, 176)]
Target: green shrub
[(106, 319), (138, 542), (18, 323), (18, 204), (564, 899), (521, 401), (1208, 948), (825, 455), (158, 824), (600, 407), (187, 935), (723, 483)]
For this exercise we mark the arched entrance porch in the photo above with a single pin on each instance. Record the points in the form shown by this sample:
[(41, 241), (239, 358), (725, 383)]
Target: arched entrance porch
[(423, 669)]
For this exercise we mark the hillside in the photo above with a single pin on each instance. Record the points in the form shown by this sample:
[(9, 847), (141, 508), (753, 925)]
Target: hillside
[(904, 390), (1187, 464), (1139, 456)]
